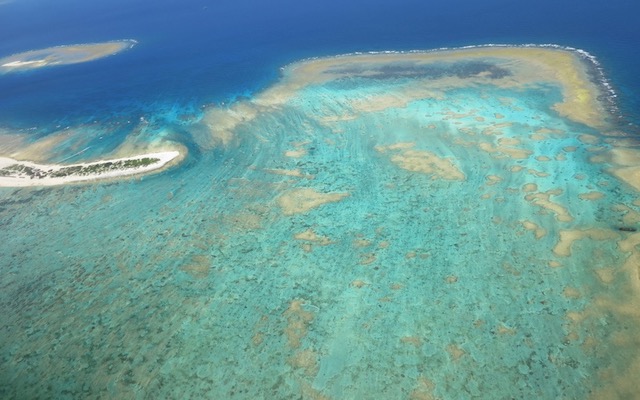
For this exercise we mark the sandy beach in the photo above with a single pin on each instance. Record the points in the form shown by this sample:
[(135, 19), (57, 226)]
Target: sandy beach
[(18, 179)]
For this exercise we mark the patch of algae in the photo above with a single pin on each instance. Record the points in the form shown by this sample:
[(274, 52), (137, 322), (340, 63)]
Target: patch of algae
[(199, 267), (312, 237), (412, 340), (543, 200), (426, 162), (630, 217), (298, 321), (535, 228), (424, 390), (505, 151), (568, 237), (626, 162), (298, 150), (455, 352), (297, 153), (296, 173), (545, 133), (248, 219), (492, 180), (220, 124), (306, 360), (302, 200), (592, 196)]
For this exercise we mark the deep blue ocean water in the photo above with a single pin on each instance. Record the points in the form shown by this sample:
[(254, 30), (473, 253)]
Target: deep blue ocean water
[(198, 283), (192, 53)]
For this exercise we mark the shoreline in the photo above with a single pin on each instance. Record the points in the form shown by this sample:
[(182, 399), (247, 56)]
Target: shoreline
[(29, 174)]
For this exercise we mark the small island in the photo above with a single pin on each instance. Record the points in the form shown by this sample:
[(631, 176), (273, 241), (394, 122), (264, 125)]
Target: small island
[(62, 55), (14, 173)]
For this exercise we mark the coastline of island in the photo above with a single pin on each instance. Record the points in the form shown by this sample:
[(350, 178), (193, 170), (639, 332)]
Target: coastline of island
[(15, 173)]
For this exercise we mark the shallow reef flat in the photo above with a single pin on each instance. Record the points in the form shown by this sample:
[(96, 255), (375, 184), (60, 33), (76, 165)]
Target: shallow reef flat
[(441, 225), (501, 66), (62, 55)]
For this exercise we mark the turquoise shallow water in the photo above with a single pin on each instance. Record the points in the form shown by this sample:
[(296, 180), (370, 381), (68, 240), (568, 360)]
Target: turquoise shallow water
[(200, 283)]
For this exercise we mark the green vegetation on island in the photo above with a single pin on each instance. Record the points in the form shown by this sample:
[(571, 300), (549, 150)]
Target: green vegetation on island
[(21, 170)]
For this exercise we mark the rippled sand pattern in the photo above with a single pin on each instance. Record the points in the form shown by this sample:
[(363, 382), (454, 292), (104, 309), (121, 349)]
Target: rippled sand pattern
[(447, 225)]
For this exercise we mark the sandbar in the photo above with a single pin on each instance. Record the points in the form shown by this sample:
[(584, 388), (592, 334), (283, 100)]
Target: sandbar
[(568, 237), (62, 55), (14, 173), (626, 162)]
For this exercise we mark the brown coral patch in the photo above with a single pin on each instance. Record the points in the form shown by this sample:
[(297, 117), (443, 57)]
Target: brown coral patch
[(302, 200), (298, 321)]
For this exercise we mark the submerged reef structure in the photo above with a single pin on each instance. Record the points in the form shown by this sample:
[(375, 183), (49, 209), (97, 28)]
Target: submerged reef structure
[(453, 224)]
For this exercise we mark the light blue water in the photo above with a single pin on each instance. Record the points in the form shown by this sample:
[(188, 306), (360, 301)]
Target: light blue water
[(192, 283)]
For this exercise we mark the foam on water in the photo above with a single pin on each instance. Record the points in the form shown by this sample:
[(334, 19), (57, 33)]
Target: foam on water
[(342, 235)]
